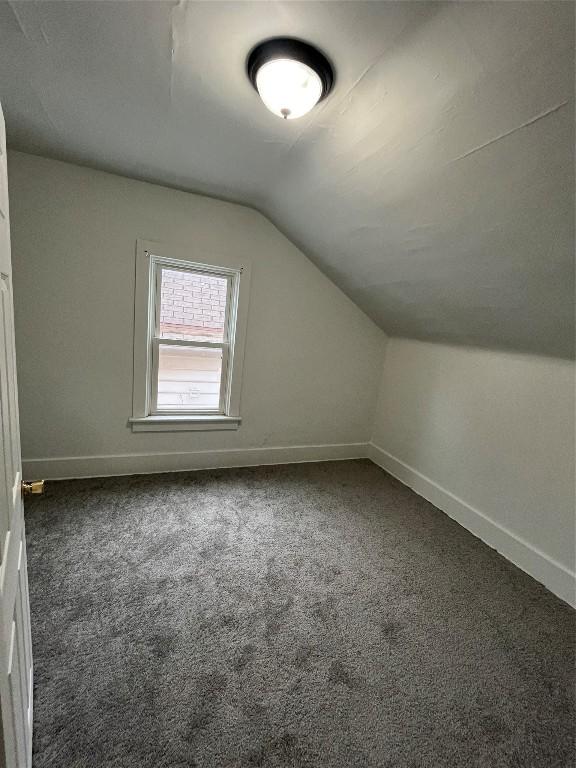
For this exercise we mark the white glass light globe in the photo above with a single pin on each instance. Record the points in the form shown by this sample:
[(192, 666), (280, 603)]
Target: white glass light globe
[(289, 88)]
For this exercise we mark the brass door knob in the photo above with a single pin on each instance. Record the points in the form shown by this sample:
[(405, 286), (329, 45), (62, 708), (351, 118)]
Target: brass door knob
[(34, 488)]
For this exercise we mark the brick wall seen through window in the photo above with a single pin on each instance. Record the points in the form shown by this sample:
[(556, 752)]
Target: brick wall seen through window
[(193, 305)]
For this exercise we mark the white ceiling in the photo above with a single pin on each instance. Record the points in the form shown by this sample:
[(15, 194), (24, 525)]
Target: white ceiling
[(435, 184)]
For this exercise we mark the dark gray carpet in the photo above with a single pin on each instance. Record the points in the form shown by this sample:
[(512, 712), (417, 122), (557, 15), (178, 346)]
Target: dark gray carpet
[(315, 615)]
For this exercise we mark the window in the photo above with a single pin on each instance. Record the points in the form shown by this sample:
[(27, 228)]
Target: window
[(188, 343)]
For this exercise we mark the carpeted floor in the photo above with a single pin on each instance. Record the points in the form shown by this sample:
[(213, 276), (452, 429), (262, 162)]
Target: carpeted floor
[(312, 615)]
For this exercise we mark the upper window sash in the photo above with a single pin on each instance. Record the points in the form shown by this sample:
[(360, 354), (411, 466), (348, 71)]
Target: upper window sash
[(231, 276)]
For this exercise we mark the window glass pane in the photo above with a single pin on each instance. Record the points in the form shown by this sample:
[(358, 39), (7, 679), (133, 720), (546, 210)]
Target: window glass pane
[(189, 378), (192, 305)]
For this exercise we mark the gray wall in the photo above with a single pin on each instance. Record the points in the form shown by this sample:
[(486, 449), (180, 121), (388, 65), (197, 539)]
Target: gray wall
[(489, 436), (313, 359)]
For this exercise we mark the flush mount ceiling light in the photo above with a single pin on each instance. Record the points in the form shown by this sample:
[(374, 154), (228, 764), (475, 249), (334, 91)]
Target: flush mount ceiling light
[(290, 75)]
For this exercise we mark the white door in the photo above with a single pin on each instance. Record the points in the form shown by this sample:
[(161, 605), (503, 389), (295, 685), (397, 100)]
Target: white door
[(15, 643)]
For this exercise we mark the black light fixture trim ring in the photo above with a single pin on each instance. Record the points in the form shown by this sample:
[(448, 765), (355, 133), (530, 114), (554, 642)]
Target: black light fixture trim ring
[(291, 48)]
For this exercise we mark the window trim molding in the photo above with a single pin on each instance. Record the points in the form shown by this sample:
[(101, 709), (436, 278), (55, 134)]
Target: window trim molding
[(148, 254), (201, 423)]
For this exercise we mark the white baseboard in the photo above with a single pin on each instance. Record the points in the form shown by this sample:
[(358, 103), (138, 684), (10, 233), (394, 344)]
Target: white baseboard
[(146, 463), (555, 576)]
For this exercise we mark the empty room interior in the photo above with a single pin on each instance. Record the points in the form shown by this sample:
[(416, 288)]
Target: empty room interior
[(287, 384)]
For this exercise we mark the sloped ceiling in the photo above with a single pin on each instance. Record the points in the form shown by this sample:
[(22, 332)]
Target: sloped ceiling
[(435, 185)]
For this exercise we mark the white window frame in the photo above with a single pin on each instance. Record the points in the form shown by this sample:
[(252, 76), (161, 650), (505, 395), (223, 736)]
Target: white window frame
[(151, 258)]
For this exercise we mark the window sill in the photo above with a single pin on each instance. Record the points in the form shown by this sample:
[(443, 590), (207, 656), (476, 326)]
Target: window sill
[(184, 423)]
